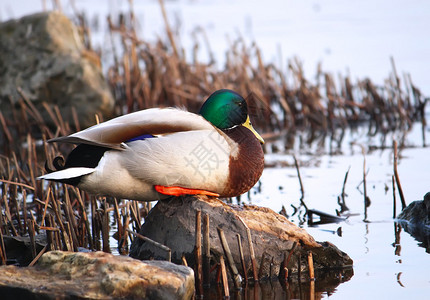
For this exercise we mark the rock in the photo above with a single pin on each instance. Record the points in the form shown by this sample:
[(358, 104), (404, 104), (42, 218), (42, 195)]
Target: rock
[(18, 248), (172, 223), (96, 275), (415, 219), (44, 56)]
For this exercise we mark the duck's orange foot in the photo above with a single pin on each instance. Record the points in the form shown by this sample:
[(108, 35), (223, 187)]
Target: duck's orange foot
[(180, 191)]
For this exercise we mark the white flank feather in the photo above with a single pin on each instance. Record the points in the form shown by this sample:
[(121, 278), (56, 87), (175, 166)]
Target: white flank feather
[(67, 173)]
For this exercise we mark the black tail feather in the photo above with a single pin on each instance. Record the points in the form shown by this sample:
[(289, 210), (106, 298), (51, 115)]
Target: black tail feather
[(58, 164)]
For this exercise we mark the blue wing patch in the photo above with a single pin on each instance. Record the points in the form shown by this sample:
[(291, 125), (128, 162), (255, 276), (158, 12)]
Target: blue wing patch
[(140, 137)]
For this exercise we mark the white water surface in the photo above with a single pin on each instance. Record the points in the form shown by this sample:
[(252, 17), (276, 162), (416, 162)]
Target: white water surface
[(369, 243)]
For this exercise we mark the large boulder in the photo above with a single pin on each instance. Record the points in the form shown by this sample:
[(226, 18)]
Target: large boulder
[(172, 222), (415, 219), (44, 56), (96, 275), (18, 248)]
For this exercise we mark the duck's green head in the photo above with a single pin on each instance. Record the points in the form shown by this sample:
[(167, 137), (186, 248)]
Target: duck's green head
[(226, 109)]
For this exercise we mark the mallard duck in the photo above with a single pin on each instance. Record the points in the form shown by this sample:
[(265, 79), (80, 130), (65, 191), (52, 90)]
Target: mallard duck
[(160, 152)]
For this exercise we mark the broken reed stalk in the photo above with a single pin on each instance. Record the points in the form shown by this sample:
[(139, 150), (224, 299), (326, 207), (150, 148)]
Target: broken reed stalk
[(18, 184), (68, 209), (168, 30), (118, 220), (2, 225), (95, 222), (50, 235), (24, 207), (396, 175), (58, 236), (311, 266), (38, 256), (68, 233), (156, 244), (242, 257), (105, 227), (251, 250), (16, 206), (126, 222), (5, 128), (21, 230), (342, 203), (184, 260), (312, 289), (283, 273), (393, 184), (397, 231), (366, 198), (262, 261), (134, 213), (123, 242), (85, 218), (364, 187), (224, 277), (9, 216), (65, 238), (136, 210), (206, 251), (237, 279), (3, 254), (198, 254), (272, 263), (302, 190), (32, 234), (287, 260), (218, 273)]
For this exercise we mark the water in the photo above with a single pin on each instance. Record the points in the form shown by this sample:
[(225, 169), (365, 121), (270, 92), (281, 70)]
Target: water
[(379, 270)]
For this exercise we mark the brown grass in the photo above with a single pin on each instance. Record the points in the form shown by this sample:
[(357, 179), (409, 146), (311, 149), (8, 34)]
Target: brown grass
[(149, 75)]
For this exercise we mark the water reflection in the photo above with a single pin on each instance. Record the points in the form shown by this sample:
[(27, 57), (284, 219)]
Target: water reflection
[(420, 233), (396, 244), (415, 219), (277, 289)]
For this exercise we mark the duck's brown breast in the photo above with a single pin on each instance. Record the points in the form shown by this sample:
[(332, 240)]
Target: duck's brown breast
[(247, 167)]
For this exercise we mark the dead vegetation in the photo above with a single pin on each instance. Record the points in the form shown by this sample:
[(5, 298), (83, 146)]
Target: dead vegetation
[(147, 75)]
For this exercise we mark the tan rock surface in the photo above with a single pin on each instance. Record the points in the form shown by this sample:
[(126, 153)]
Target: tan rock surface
[(172, 223), (98, 275)]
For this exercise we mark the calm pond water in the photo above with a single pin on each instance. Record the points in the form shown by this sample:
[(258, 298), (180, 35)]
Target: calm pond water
[(383, 268)]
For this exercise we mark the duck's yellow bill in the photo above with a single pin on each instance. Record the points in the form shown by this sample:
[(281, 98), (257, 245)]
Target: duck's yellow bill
[(248, 125)]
